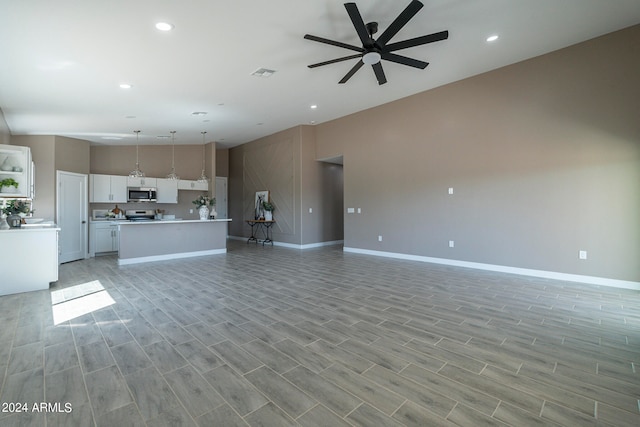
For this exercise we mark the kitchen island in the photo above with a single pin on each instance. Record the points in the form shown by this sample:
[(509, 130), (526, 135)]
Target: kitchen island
[(146, 241), (29, 260)]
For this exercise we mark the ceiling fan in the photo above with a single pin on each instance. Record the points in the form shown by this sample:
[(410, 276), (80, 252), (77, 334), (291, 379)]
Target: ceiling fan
[(372, 51)]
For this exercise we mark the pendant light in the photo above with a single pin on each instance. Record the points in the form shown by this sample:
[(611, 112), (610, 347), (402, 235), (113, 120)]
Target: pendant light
[(136, 173), (172, 176), (203, 178)]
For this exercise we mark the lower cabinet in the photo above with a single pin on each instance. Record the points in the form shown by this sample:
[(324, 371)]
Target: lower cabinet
[(103, 237)]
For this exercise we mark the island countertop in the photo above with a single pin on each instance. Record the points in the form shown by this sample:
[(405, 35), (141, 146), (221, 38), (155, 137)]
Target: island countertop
[(145, 241), (170, 221)]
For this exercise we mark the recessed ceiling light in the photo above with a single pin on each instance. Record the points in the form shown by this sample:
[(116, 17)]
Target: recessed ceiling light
[(125, 86), (313, 107), (199, 113), (164, 26), (492, 38)]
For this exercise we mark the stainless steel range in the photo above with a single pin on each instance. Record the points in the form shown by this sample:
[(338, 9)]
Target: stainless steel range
[(140, 215)]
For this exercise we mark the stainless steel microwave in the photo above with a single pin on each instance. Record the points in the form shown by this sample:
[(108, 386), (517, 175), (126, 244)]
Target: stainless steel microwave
[(141, 194)]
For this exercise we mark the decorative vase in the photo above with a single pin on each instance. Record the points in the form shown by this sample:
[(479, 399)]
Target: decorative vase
[(8, 189), (268, 215), (14, 221), (204, 212)]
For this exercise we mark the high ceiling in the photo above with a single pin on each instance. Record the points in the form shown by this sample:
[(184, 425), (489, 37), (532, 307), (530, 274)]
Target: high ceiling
[(61, 62)]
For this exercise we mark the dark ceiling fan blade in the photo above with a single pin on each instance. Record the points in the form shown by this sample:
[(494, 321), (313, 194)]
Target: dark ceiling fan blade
[(377, 68), (358, 23), (418, 41), (399, 22), (399, 59), (333, 43), (352, 72), (333, 61)]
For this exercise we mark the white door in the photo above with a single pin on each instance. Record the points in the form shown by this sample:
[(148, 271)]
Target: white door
[(72, 215), (221, 197)]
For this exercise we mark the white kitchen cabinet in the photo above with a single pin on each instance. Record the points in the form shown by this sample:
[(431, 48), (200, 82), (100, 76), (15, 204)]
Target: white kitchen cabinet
[(107, 188), (141, 182), (103, 237), (15, 163), (167, 190), (185, 184)]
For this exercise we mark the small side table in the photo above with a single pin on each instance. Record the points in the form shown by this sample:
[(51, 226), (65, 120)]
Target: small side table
[(260, 226)]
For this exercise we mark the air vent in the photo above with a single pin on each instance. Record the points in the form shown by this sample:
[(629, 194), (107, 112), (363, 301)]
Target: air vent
[(263, 72)]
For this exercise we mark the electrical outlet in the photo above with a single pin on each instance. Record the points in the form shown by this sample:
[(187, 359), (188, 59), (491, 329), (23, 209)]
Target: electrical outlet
[(582, 255), (190, 211), (450, 190), (359, 210), (451, 243), (379, 238), (310, 210)]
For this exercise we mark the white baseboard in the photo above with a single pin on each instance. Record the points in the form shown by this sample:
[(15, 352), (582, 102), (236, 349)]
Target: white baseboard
[(128, 261), (295, 246), (592, 280)]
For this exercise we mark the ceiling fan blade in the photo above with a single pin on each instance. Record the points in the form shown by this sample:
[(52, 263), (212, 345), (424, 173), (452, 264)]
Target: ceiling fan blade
[(333, 61), (399, 22), (358, 23), (351, 72), (333, 43), (377, 68), (418, 41), (399, 59)]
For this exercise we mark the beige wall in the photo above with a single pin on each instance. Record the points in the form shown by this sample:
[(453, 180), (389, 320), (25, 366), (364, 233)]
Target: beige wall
[(222, 162), (543, 157)]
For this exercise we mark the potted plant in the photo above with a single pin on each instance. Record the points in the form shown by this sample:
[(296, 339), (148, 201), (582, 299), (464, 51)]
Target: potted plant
[(14, 211), (8, 185), (202, 203), (268, 211)]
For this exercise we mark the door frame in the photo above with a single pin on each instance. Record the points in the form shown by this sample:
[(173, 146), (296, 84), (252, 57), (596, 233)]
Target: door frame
[(85, 208), (226, 196)]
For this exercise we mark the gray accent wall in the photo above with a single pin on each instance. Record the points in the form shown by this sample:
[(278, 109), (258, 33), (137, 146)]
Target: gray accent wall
[(543, 157), (285, 164)]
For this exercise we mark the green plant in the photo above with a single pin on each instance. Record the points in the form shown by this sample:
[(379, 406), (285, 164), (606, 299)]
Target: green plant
[(8, 182), (15, 207), (204, 201), (267, 206)]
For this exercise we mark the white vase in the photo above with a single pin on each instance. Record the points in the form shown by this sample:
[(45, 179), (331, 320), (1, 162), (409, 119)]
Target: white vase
[(204, 212), (10, 189), (268, 215)]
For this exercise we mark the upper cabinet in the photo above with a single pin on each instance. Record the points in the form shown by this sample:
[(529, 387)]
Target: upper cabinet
[(184, 184), (107, 188), (16, 168), (167, 190), (142, 182)]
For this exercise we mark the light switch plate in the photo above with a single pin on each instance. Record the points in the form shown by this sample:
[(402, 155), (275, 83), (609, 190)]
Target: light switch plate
[(350, 210)]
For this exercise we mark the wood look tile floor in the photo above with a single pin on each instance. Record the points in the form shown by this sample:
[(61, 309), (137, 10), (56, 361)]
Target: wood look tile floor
[(270, 336)]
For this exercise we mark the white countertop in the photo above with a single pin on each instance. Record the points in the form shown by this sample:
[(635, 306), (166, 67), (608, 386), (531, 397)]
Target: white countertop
[(26, 228), (170, 221)]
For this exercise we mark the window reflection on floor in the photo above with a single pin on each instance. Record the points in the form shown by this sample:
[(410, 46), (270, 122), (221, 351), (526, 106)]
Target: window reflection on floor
[(75, 301)]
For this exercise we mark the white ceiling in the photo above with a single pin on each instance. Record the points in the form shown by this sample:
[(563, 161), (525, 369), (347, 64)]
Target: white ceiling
[(61, 62)]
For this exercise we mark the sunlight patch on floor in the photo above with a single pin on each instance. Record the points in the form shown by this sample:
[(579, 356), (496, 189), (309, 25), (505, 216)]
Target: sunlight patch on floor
[(79, 300)]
